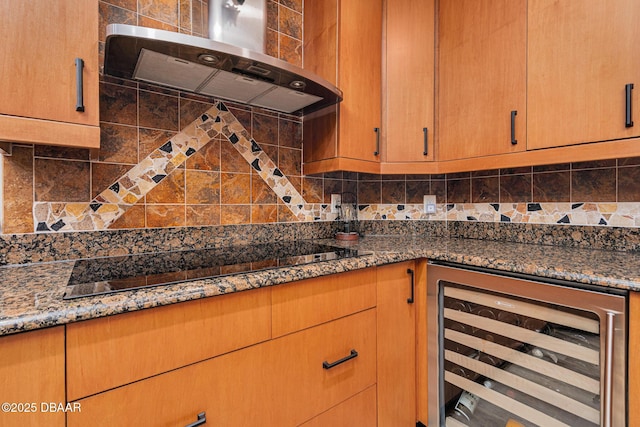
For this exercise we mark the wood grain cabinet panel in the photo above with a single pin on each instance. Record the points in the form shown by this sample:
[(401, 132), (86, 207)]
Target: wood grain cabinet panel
[(343, 44), (310, 302), (280, 382), (359, 410), (581, 56), (38, 90), (482, 77), (32, 375), (108, 352), (409, 81), (396, 328)]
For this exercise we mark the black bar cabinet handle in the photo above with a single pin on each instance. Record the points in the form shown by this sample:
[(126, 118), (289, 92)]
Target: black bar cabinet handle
[(352, 355), (79, 85), (202, 419), (629, 118), (413, 286), (425, 150), (514, 113), (377, 131)]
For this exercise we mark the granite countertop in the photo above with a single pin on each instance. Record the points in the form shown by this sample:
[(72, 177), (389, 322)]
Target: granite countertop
[(31, 295)]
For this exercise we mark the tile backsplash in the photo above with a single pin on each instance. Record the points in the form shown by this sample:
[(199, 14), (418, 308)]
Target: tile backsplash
[(218, 186)]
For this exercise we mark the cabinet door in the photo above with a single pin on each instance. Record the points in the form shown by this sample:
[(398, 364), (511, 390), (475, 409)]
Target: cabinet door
[(343, 50), (41, 41), (359, 76), (409, 81), (32, 378), (396, 345), (482, 78), (581, 55)]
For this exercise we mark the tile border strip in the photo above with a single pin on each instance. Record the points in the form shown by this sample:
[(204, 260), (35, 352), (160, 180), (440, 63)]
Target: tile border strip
[(121, 195)]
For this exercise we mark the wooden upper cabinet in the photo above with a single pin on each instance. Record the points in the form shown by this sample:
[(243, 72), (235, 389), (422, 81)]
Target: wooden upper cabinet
[(39, 85), (481, 77), (581, 55), (342, 43), (409, 82)]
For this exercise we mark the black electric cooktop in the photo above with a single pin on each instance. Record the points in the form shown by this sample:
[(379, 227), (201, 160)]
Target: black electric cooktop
[(113, 274)]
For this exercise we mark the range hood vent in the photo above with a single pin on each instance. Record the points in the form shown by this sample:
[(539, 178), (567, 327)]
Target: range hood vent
[(214, 68)]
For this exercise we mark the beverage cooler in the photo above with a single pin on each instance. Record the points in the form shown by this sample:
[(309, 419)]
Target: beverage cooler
[(514, 350)]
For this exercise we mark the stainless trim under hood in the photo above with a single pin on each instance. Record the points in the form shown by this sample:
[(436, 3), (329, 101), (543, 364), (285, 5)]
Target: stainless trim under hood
[(180, 61)]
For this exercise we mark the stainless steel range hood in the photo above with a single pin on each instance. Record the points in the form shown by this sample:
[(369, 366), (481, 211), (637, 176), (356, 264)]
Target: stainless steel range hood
[(214, 68)]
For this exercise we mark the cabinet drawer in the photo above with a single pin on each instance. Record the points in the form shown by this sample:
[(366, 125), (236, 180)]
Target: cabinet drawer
[(112, 351), (276, 383), (311, 302), (359, 410)]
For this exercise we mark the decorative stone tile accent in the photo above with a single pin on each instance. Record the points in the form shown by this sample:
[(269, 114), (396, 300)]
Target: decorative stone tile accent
[(125, 192), (601, 214)]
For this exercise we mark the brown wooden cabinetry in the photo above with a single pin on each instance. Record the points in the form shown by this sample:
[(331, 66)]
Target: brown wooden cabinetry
[(112, 351), (39, 85), (481, 78), (342, 43), (281, 382), (581, 56), (32, 378), (217, 356), (397, 302), (409, 82)]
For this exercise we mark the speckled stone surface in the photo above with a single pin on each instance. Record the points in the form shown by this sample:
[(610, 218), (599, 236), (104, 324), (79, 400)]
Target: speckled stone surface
[(31, 295)]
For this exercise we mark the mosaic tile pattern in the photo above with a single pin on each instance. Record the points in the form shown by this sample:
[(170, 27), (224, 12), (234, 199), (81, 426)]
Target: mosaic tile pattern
[(600, 214), (121, 195)]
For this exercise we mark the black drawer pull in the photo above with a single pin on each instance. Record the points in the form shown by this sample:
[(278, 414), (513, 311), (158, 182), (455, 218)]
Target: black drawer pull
[(377, 131), (413, 286), (79, 85), (628, 116), (202, 419), (327, 365), (514, 141), (425, 149)]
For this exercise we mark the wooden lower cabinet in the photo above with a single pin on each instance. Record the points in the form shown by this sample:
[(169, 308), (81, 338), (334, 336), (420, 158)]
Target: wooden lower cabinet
[(32, 378), (310, 302), (359, 410), (396, 330), (112, 351), (281, 382)]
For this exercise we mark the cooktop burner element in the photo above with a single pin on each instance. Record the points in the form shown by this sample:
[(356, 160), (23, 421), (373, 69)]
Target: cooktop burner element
[(113, 274)]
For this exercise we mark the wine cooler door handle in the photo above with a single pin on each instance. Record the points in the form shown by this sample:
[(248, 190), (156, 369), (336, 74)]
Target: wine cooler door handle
[(628, 115), (607, 418), (514, 113), (377, 131), (410, 272), (425, 149), (327, 365), (79, 85), (202, 419)]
